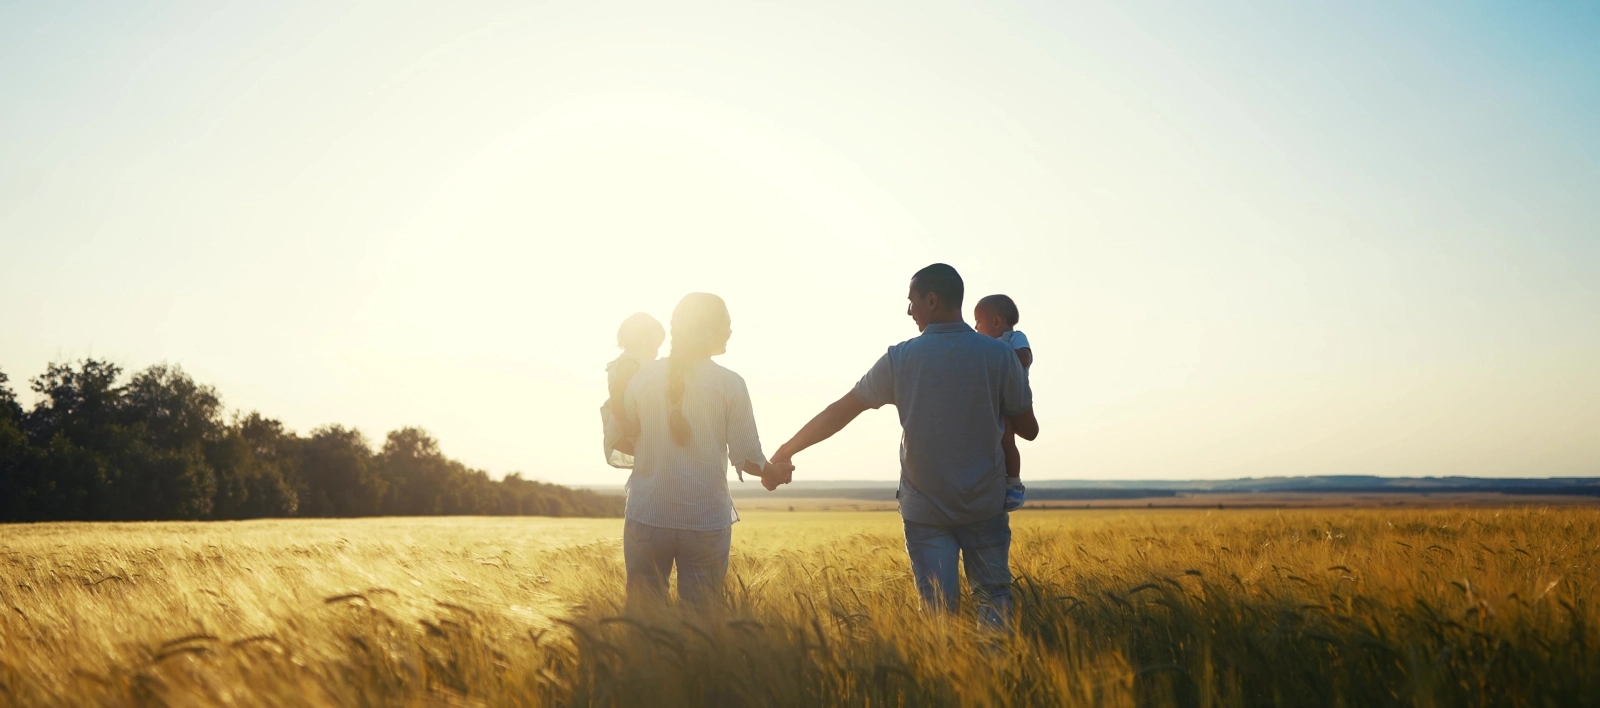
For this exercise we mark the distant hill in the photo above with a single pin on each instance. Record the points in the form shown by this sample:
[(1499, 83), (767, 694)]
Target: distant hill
[(1056, 489), (1362, 484)]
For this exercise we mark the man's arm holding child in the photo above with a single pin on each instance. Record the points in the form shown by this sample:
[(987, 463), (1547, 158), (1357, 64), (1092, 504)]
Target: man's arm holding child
[(1016, 399), (1024, 424)]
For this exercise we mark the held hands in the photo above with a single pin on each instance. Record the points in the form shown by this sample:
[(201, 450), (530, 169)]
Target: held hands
[(779, 470)]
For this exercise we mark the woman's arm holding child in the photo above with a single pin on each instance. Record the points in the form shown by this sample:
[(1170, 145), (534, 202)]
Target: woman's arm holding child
[(618, 384)]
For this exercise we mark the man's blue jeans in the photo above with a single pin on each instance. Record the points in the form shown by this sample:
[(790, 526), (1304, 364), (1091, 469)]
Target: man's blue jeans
[(983, 547)]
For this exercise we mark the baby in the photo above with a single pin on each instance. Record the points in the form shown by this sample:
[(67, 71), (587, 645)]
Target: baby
[(640, 338), (996, 316)]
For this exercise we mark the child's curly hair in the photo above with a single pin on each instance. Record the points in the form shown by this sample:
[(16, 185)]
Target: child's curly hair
[(641, 331)]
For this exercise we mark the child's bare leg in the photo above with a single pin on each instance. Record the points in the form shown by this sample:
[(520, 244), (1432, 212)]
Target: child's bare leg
[(1015, 492), (1013, 455)]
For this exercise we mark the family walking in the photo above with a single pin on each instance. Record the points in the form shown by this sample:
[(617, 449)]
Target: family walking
[(962, 396)]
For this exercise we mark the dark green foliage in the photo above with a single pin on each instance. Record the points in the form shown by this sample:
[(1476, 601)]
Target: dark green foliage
[(154, 484), (172, 411), (10, 411), (157, 447), (255, 465), (81, 404), (14, 455), (422, 481), (339, 474), (419, 475)]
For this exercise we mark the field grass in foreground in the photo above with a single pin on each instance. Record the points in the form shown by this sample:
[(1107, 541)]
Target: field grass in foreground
[(1300, 607)]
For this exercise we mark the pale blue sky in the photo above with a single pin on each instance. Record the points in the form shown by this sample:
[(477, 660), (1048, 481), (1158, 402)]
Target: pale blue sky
[(1246, 240)]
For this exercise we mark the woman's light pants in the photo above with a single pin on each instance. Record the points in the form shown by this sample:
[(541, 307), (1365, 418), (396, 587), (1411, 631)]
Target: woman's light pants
[(650, 552)]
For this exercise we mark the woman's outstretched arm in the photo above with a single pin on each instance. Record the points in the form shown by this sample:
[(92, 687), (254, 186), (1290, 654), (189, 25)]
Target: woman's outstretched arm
[(744, 443)]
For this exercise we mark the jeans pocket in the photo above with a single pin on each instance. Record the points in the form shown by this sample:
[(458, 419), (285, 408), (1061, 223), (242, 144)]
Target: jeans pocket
[(991, 532), (635, 532), (712, 540)]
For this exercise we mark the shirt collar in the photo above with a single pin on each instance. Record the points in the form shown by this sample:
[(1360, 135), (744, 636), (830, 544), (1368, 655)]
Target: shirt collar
[(947, 327)]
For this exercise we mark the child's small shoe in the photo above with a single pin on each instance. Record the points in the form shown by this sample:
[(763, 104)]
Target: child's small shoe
[(1014, 492)]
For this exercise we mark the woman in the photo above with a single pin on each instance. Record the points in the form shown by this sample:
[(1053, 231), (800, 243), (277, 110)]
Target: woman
[(691, 418)]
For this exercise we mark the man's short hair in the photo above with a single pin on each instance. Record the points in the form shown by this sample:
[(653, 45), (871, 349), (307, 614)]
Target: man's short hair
[(941, 280), (1003, 306)]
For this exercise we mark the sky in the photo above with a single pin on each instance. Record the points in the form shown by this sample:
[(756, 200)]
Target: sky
[(1245, 239)]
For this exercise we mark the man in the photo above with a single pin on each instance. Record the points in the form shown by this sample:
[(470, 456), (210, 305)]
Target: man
[(955, 389)]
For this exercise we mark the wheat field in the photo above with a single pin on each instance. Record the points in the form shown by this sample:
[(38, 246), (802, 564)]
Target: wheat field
[(1181, 607)]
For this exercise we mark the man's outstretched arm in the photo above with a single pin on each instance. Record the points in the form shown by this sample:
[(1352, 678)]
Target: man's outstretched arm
[(831, 420)]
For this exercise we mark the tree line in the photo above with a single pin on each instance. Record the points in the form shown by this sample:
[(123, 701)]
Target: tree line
[(158, 446)]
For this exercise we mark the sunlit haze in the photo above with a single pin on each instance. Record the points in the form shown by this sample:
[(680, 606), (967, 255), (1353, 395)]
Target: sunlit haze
[(1245, 241)]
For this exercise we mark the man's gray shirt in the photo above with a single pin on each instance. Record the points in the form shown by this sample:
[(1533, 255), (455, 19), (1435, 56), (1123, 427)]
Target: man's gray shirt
[(953, 388)]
